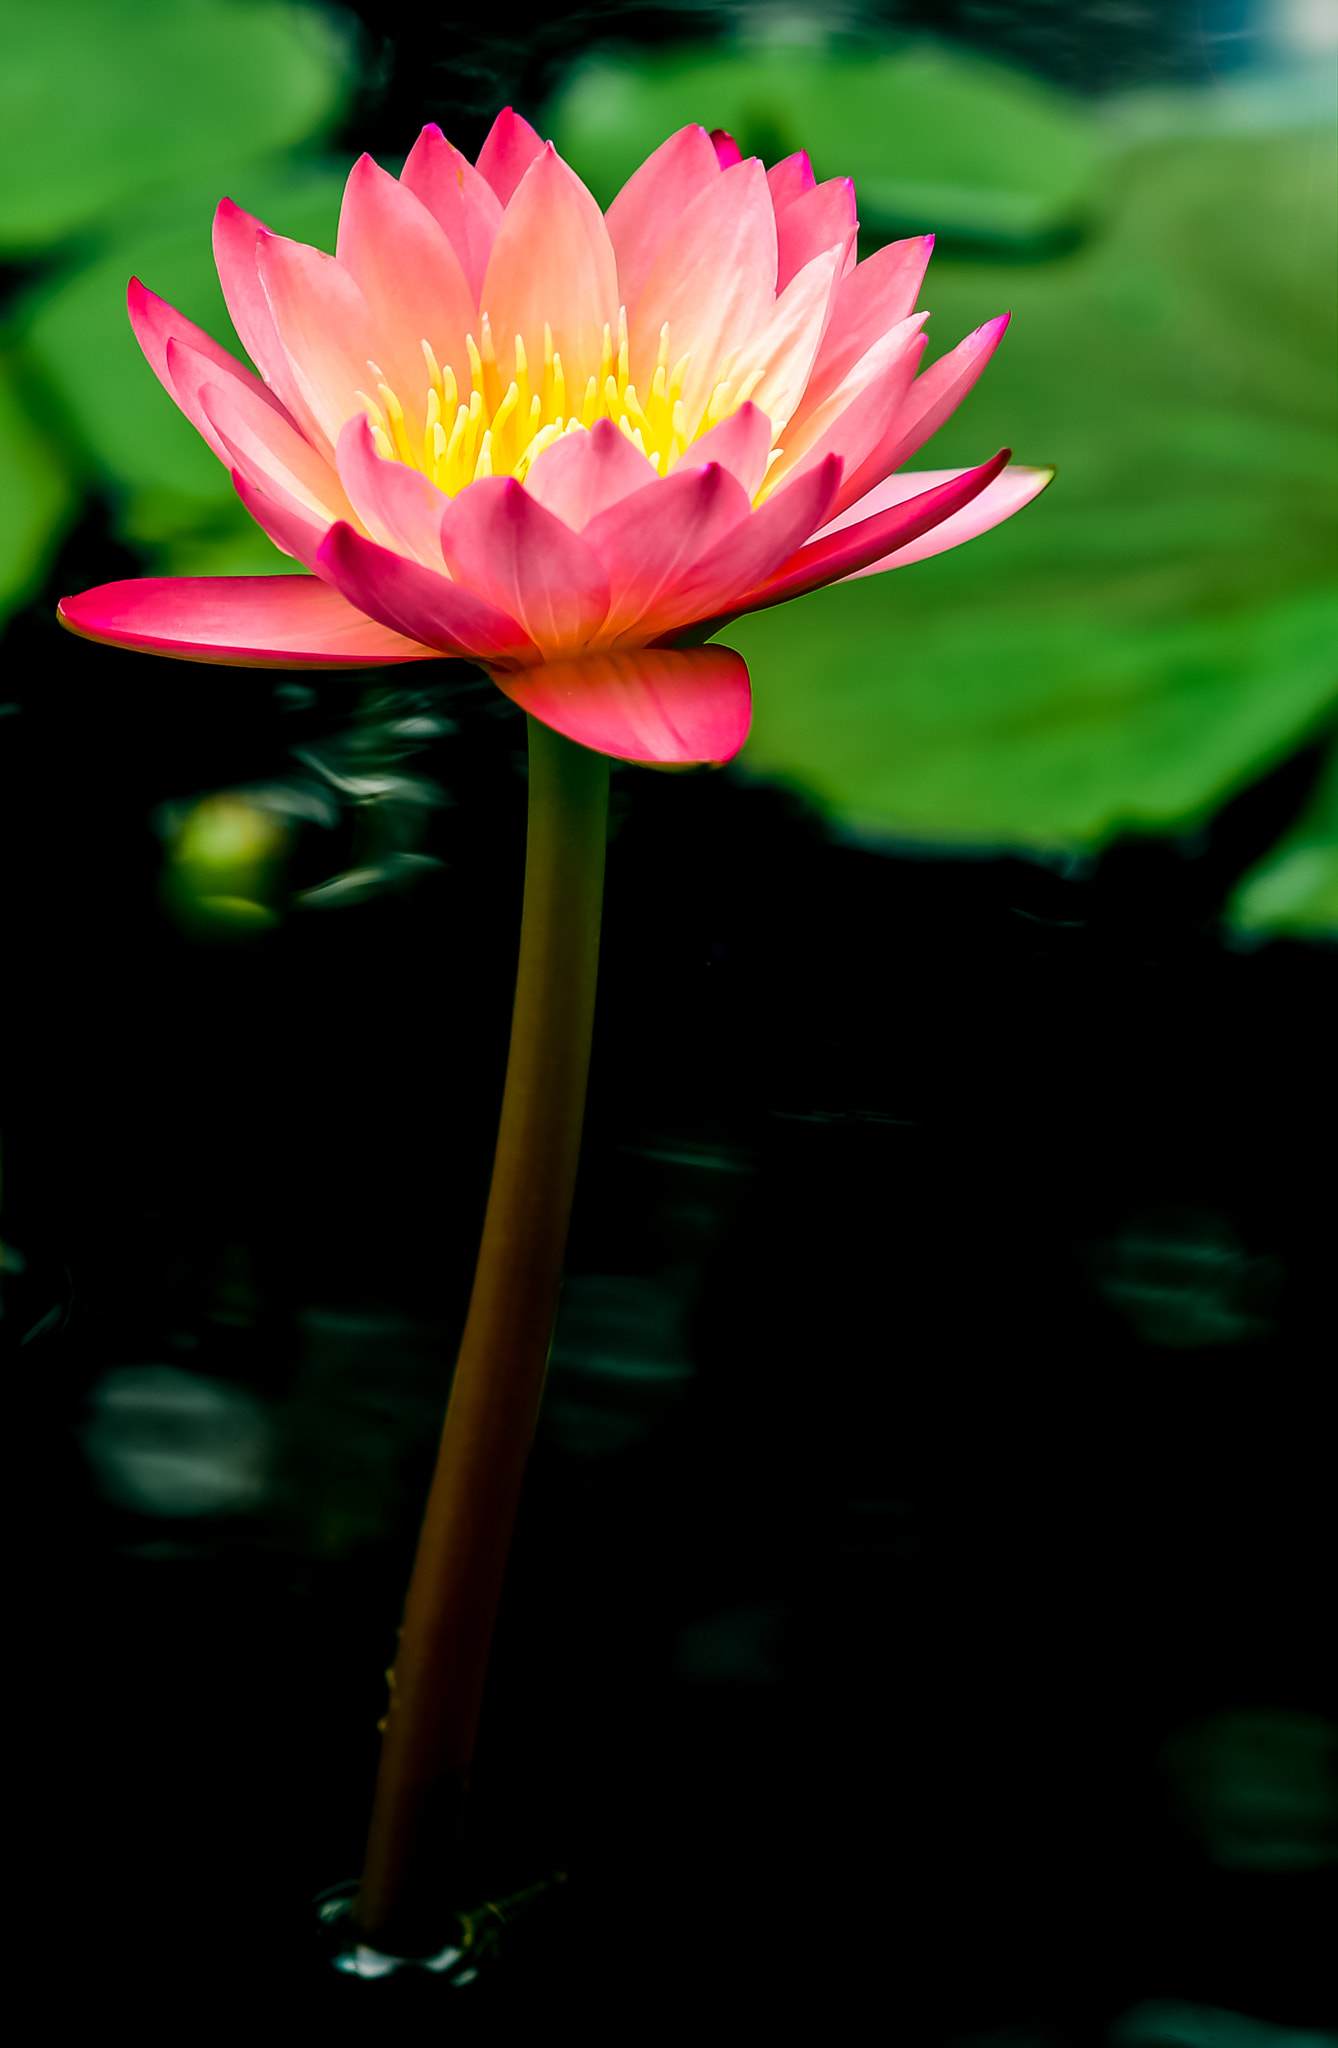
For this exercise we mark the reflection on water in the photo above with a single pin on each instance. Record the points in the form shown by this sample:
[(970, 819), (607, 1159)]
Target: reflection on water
[(169, 1443), (1171, 2023), (1181, 1278), (738, 1646), (619, 1361), (1259, 1789)]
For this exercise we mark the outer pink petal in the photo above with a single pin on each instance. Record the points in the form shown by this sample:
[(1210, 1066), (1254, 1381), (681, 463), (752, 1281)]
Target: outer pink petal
[(581, 475), (237, 238), (752, 551), (552, 263), (458, 197), (510, 149), (857, 415), (1013, 488), (234, 416), (399, 506), (242, 621), (294, 529), (410, 276), (726, 148), (326, 332), (714, 282), (676, 708), (821, 218), (851, 548), (501, 542), (790, 179), (156, 324), (928, 403), (650, 543), (741, 444), (788, 340), (421, 603), (872, 299), (650, 205)]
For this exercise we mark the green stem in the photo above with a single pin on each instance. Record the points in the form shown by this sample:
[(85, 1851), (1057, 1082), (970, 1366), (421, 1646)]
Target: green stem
[(456, 1585)]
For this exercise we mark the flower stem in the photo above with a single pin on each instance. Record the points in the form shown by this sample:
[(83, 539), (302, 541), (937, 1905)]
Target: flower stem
[(436, 1687)]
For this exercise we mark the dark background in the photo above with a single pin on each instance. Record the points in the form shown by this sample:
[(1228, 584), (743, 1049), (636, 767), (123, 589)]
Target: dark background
[(835, 1670)]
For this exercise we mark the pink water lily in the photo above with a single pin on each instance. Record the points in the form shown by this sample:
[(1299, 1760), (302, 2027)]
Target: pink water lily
[(498, 424)]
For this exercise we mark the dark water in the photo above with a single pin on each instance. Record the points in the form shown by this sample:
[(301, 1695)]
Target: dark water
[(922, 1600)]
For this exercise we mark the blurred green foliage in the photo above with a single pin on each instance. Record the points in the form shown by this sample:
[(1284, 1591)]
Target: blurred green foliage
[(223, 870)]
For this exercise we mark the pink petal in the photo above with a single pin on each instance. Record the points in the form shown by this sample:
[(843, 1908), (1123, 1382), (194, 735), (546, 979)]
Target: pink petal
[(726, 148), (501, 542), (404, 265), (235, 416), (790, 179), (650, 205), (458, 197), (856, 416), (420, 603), (872, 299), (650, 543), (292, 526), (242, 621), (788, 340), (929, 402), (753, 550), (156, 324), (714, 282), (237, 238), (581, 475), (1013, 488), (552, 263), (852, 548), (823, 217), (326, 332), (741, 444), (399, 506), (510, 149), (676, 708)]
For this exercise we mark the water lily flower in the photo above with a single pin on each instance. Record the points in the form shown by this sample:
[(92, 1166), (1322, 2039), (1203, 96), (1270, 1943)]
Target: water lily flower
[(499, 424)]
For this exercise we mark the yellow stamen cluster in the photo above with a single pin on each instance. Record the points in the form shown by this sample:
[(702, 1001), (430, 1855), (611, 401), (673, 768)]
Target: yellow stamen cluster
[(498, 430)]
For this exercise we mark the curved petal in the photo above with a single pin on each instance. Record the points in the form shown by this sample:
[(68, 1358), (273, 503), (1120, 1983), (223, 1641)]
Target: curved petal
[(510, 149), (726, 148), (419, 603), (929, 401), (821, 218), (294, 529), (857, 416), (872, 299), (403, 264), (458, 197), (501, 542), (851, 548), (552, 264), (325, 330), (673, 707), (237, 418), (156, 324), (714, 282), (399, 506), (650, 543), (237, 238), (741, 444), (581, 475), (1013, 488), (241, 621), (788, 341), (790, 179), (753, 550), (650, 205)]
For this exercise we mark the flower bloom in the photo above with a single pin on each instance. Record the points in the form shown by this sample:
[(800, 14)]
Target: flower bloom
[(498, 424)]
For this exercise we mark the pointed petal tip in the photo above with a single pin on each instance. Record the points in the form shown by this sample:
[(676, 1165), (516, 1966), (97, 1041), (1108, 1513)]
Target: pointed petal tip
[(726, 148)]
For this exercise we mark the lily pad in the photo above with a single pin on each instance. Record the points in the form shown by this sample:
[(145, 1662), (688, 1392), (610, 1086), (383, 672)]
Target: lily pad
[(36, 496), (1162, 625), (175, 500), (1293, 891), (104, 100), (933, 138)]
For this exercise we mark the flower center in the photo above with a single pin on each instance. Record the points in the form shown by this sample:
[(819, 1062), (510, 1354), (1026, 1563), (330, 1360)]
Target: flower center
[(499, 428)]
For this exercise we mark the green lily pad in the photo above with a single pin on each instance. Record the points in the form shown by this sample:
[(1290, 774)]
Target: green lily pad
[(1162, 624), (104, 100), (175, 499), (36, 496), (933, 138), (1293, 891)]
